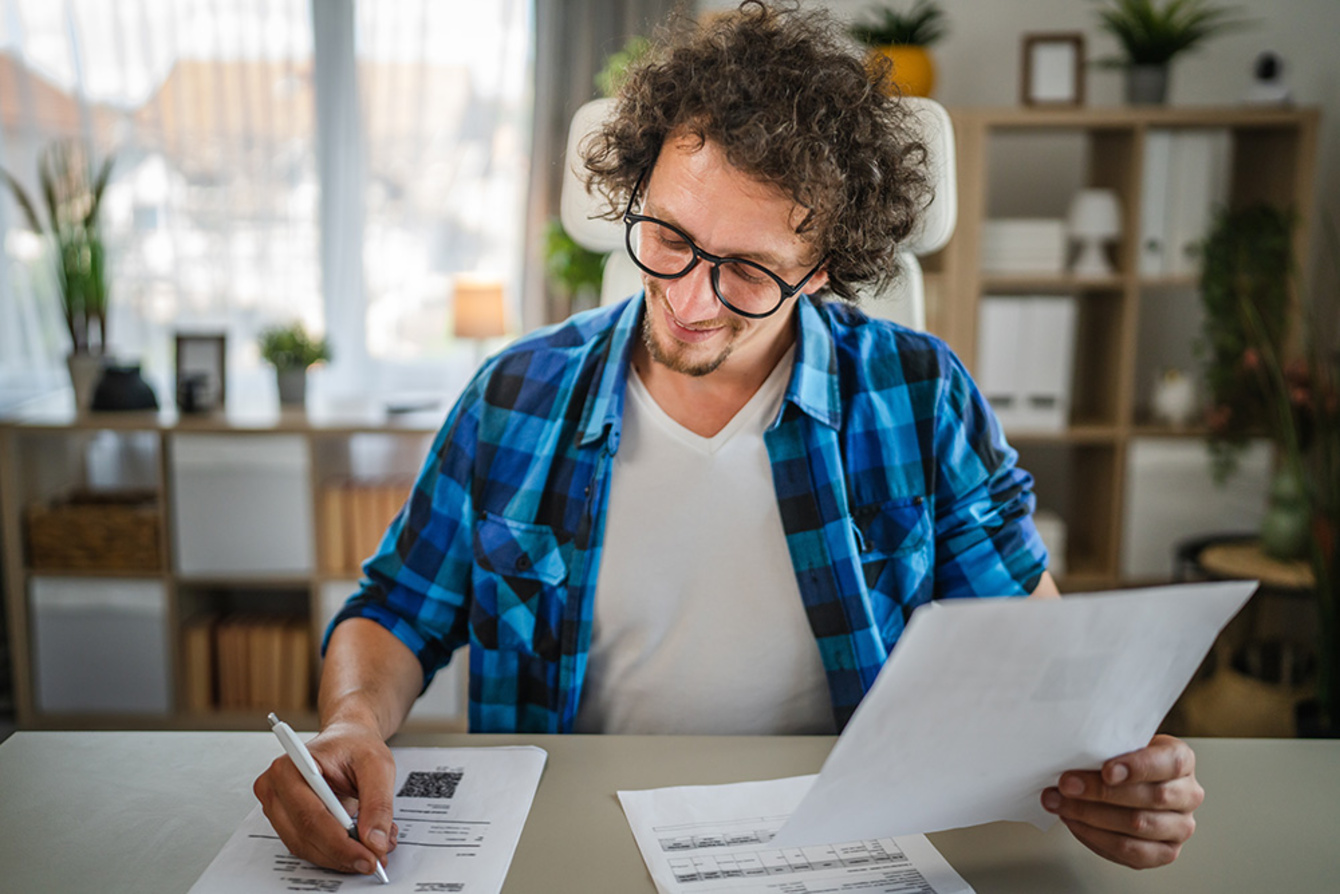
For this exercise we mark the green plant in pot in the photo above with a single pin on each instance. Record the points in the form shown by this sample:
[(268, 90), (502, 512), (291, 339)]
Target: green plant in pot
[(903, 38), (1152, 33), (291, 350), (1300, 394), (71, 193)]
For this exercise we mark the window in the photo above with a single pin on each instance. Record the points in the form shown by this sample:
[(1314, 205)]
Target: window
[(214, 218)]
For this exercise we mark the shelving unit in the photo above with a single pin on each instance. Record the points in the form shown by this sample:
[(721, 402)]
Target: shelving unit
[(47, 452), (1273, 159)]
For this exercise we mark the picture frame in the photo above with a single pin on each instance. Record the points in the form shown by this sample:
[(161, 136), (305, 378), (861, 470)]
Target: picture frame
[(201, 367), (1053, 70)]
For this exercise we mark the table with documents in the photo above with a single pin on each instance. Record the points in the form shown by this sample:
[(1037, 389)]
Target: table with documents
[(148, 811)]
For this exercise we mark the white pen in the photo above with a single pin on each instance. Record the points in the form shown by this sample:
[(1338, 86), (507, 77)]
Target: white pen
[(306, 765)]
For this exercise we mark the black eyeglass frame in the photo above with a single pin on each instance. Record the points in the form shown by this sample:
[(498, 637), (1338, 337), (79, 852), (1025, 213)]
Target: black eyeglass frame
[(631, 219)]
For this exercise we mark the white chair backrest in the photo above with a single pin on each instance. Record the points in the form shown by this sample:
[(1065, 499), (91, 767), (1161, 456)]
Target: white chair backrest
[(904, 303)]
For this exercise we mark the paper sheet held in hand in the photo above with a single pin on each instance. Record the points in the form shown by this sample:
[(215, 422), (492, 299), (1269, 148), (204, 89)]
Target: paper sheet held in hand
[(984, 703)]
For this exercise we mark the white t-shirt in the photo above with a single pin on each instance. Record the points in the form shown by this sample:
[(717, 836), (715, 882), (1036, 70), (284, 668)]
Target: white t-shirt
[(699, 625)]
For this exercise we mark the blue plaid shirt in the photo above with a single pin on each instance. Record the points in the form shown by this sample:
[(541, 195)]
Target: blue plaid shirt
[(894, 483)]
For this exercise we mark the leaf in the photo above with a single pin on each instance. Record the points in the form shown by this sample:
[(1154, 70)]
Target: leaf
[(21, 197)]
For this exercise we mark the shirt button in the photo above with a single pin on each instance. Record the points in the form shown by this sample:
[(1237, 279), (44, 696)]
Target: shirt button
[(523, 563)]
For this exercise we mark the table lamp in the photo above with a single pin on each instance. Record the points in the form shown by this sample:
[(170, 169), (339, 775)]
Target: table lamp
[(478, 311), (1094, 220)]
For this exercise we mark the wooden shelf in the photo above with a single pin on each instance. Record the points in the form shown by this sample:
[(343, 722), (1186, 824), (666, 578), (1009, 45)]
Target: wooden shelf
[(42, 456), (1273, 160)]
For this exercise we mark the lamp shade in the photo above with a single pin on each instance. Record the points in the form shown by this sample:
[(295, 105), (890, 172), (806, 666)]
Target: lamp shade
[(1095, 214), (478, 308)]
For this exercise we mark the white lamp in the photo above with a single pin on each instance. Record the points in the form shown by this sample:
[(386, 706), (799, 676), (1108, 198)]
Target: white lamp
[(1094, 220), (478, 310)]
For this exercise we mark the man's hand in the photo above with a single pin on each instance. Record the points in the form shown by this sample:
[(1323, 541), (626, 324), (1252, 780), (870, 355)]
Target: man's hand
[(358, 765), (1136, 810)]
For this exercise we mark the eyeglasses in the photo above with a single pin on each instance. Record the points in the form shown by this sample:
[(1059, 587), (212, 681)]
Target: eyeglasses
[(666, 252)]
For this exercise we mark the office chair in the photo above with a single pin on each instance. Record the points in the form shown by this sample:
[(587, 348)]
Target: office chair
[(904, 302)]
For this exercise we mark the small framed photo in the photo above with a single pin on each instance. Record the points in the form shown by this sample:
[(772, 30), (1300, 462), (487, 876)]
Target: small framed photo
[(201, 372), (1053, 70)]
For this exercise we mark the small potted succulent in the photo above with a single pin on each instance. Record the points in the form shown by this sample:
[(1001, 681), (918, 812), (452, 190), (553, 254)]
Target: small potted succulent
[(290, 350), (1152, 33), (903, 37)]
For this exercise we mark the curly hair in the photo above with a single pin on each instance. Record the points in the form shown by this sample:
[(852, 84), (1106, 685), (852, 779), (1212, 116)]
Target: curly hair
[(790, 103)]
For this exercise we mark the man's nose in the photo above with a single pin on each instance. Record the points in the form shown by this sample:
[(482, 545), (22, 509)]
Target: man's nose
[(691, 296)]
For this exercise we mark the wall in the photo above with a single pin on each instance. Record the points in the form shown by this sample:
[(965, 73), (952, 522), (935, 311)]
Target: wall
[(980, 59)]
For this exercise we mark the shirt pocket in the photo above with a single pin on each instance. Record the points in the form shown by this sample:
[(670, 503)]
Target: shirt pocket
[(520, 587), (897, 552)]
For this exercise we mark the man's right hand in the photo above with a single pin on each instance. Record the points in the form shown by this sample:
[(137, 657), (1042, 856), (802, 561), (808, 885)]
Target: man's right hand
[(359, 766)]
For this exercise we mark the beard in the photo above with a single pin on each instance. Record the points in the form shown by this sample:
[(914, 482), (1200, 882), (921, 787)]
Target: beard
[(676, 355)]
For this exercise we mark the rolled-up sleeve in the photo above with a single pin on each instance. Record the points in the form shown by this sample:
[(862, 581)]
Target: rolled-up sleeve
[(986, 542)]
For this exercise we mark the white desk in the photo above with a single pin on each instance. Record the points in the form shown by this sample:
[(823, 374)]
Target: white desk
[(146, 812)]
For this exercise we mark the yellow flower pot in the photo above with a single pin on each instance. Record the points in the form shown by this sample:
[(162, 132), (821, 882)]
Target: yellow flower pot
[(913, 68)]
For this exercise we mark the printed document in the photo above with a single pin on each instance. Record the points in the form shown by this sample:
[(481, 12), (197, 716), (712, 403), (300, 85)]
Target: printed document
[(706, 839), (460, 813), (984, 703)]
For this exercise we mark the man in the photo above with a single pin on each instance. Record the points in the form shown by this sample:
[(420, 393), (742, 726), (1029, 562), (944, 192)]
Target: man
[(711, 508)]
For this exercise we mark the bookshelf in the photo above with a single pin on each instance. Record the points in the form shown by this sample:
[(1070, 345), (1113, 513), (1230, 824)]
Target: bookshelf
[(224, 608), (1273, 158)]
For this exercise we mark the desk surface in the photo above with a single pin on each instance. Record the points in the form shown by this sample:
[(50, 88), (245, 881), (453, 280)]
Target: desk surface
[(146, 812)]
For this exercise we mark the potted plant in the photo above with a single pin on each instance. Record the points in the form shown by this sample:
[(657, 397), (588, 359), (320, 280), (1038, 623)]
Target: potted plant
[(903, 37), (290, 350), (1152, 33), (72, 197), (574, 272)]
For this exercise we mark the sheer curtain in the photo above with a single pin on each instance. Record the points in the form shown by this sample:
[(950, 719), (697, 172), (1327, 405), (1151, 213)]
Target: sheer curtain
[(329, 161)]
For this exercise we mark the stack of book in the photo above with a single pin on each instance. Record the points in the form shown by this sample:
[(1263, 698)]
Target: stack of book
[(1023, 245), (246, 662), (354, 516)]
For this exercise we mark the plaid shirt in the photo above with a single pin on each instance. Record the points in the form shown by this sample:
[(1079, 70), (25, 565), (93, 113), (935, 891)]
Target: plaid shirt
[(894, 483)]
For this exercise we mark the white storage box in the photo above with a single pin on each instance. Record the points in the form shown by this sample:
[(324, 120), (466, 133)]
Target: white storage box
[(242, 505), (1024, 245), (100, 645), (1171, 496), (445, 699)]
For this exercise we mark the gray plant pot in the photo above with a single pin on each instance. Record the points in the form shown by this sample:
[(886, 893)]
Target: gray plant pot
[(1147, 85), (85, 373), (292, 387)]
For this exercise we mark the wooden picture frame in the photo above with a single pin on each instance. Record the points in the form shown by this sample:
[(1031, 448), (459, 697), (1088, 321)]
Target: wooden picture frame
[(1053, 70), (201, 359)]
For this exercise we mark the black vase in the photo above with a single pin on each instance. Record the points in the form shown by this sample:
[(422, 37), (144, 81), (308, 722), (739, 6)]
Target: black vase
[(123, 388)]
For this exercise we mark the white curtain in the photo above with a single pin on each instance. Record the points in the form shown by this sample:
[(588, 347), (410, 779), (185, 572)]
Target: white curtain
[(252, 187)]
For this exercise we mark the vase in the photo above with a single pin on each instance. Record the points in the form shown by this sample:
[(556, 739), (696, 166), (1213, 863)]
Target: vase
[(913, 68), (292, 387), (1286, 527), (1147, 85), (85, 371), (122, 388)]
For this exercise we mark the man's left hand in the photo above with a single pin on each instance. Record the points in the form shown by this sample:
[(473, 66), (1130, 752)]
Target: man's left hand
[(1136, 810)]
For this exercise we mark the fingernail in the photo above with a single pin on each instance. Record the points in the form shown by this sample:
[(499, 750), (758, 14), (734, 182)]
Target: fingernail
[(1071, 786), (363, 867), (377, 839), (1118, 774), (1051, 800)]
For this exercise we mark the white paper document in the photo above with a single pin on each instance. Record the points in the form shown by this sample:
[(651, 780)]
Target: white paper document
[(703, 839), (984, 703), (460, 813)]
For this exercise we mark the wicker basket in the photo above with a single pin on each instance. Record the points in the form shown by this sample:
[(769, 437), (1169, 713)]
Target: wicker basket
[(116, 531)]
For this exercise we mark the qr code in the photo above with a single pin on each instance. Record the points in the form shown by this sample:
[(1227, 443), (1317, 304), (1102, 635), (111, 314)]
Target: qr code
[(439, 784)]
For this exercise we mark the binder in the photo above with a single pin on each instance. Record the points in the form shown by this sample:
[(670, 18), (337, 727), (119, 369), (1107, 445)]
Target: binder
[(1046, 355), (1154, 203), (1000, 332), (1198, 182)]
